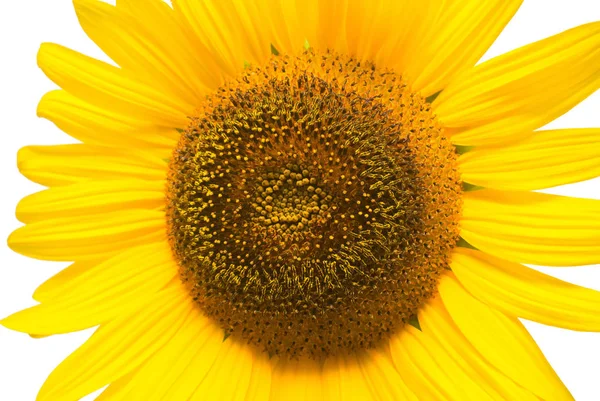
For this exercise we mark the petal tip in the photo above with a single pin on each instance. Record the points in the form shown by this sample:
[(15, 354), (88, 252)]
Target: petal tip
[(12, 240), (17, 242), (42, 109), (11, 322), (43, 52)]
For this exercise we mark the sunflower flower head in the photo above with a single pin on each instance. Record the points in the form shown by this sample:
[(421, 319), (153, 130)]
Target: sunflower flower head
[(313, 204), (280, 200)]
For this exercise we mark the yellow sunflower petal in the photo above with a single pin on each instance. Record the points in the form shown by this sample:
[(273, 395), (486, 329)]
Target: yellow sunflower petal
[(47, 165), (67, 239), (115, 389), (509, 96), (229, 377), (200, 363), (409, 370), (378, 30), (437, 324), (285, 22), (384, 381), (104, 292), (196, 339), (463, 33), (533, 227), (437, 371), (503, 341), (260, 381), (343, 379), (260, 25), (91, 197), (388, 32), (162, 57), (60, 283), (240, 31), (544, 159), (209, 22), (330, 28), (364, 32), (100, 126), (119, 347), (297, 380), (520, 291), (412, 21), (112, 88)]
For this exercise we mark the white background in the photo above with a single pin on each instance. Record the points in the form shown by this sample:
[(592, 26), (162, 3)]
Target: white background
[(24, 24)]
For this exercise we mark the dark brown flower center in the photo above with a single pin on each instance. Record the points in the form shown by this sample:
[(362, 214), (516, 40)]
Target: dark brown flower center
[(312, 205)]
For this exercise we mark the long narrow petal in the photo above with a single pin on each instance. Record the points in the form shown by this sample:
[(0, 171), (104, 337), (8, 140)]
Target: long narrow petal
[(464, 32), (390, 33), (198, 338), (211, 24), (89, 198), (241, 31), (503, 341), (171, 52), (343, 379), (68, 164), (200, 363), (67, 239), (534, 228), (263, 23), (112, 88), (260, 381), (384, 381), (229, 377), (437, 324), (297, 380), (364, 31), (61, 283), (101, 126), (329, 27), (114, 390), (286, 22), (511, 95), (119, 347), (434, 369), (127, 33), (544, 159), (520, 291), (410, 371), (110, 289)]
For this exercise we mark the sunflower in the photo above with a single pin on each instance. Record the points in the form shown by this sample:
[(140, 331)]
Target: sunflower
[(310, 200)]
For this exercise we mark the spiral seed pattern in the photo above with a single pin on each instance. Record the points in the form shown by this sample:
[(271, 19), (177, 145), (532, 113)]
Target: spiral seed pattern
[(312, 205)]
